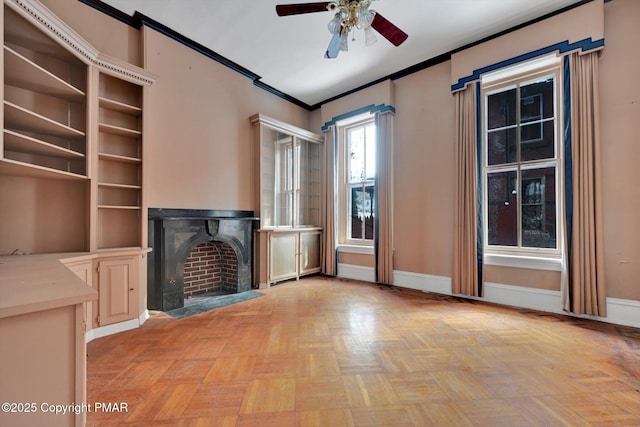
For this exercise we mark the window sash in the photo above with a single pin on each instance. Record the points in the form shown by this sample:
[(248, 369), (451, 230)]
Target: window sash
[(365, 181), (523, 167), (365, 216)]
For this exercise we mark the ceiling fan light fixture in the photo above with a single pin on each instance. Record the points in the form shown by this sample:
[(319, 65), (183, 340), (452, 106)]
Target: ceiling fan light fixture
[(344, 42), (351, 14), (335, 24), (369, 37), (348, 16)]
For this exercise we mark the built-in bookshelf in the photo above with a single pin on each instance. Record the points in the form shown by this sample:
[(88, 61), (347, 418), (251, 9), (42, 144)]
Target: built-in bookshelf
[(119, 163), (71, 146), (288, 175), (44, 105)]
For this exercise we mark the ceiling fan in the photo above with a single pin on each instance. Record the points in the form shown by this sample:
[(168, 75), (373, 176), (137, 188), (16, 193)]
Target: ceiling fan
[(349, 15)]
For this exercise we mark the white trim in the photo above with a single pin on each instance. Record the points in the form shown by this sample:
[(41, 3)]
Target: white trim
[(356, 272), (521, 296), (355, 249), (422, 282), (115, 328), (286, 128), (620, 311), (523, 261), (545, 62), (144, 316)]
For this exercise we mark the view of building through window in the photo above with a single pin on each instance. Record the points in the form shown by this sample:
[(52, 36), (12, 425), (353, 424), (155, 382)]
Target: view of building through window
[(521, 164)]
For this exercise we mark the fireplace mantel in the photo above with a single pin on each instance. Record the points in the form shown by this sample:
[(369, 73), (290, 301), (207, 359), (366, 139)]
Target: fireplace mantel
[(173, 233)]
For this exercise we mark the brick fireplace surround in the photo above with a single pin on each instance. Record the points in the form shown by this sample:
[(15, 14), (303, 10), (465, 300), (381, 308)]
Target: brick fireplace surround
[(210, 267), (173, 235)]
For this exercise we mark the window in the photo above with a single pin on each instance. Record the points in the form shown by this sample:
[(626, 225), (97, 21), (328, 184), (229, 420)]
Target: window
[(357, 173), (521, 165)]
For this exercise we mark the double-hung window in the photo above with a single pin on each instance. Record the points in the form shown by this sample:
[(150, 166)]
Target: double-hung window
[(357, 172), (521, 162)]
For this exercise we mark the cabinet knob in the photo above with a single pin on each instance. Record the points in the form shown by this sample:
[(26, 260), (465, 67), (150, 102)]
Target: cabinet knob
[(130, 289)]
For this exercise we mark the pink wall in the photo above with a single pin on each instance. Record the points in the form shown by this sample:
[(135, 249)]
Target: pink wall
[(200, 140), (424, 180), (620, 130)]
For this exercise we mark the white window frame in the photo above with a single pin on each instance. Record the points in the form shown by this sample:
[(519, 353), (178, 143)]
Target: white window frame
[(499, 81), (345, 243)]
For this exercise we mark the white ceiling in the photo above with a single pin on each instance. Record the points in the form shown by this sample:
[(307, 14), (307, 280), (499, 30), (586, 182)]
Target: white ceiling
[(288, 52)]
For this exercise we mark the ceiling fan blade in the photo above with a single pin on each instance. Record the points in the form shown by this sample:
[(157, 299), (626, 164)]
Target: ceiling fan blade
[(333, 50), (389, 31), (299, 8)]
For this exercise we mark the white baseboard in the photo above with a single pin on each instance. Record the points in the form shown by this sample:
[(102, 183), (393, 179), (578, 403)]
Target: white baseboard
[(520, 296), (422, 282), (619, 311), (356, 272), (115, 328), (144, 316)]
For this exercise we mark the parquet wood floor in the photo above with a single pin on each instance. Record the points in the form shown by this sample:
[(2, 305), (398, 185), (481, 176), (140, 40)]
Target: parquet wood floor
[(324, 352)]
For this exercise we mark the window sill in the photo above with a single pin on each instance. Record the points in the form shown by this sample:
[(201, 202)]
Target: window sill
[(356, 249), (523, 261)]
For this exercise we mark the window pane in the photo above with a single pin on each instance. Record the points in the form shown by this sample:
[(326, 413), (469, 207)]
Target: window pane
[(362, 212), (370, 152), (536, 101), (368, 219), (501, 109), (537, 141), (502, 146), (356, 155), (539, 208), (284, 186), (502, 199)]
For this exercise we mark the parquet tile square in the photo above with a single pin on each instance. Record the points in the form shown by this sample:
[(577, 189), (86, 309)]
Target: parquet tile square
[(462, 385), (269, 395), (438, 413), (186, 371), (273, 419), (230, 368), (317, 393), (177, 401), (369, 390), (415, 388), (275, 366), (325, 352), (493, 412), (317, 365), (382, 416), (217, 399), (326, 417)]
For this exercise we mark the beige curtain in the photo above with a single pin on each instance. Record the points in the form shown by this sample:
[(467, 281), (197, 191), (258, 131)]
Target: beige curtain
[(585, 290), (328, 204), (465, 257), (384, 188)]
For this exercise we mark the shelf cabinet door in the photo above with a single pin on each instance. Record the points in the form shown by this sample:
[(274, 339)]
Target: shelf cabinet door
[(117, 286), (309, 252), (283, 256), (84, 270)]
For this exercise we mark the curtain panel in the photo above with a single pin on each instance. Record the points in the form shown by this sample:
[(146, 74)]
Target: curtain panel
[(584, 287), (328, 203), (466, 263), (384, 199)]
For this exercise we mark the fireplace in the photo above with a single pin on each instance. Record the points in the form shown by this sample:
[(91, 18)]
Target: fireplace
[(211, 268), (173, 236)]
